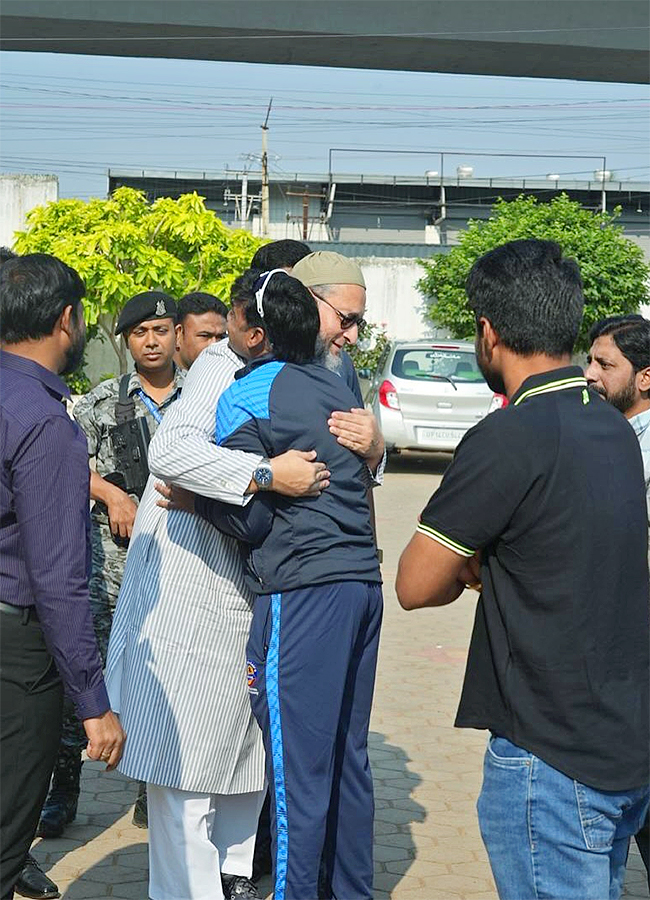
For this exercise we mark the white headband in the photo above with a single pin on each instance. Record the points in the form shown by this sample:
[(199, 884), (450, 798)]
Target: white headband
[(259, 294)]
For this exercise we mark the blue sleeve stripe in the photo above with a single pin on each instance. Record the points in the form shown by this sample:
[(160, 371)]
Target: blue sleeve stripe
[(277, 749), (245, 399)]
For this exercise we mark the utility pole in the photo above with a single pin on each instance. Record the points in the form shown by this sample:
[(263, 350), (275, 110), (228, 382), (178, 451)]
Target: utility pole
[(305, 208), (265, 173), (243, 201), (243, 210)]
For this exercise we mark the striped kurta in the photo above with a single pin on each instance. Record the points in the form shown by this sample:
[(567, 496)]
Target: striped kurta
[(176, 668)]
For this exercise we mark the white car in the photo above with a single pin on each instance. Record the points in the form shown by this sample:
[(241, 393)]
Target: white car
[(427, 394)]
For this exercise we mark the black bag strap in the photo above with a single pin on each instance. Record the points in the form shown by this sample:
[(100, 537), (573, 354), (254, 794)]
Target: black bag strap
[(125, 406)]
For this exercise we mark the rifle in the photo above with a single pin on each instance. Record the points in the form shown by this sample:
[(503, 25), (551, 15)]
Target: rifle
[(130, 439)]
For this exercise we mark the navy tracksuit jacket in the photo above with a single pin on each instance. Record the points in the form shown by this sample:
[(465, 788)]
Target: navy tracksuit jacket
[(313, 645)]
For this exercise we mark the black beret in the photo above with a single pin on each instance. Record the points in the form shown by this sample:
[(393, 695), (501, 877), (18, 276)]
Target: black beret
[(146, 306)]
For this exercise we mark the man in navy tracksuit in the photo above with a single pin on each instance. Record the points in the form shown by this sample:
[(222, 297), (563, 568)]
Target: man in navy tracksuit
[(313, 645)]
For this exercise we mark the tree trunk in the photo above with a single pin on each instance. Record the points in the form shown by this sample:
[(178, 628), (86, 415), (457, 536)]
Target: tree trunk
[(107, 323)]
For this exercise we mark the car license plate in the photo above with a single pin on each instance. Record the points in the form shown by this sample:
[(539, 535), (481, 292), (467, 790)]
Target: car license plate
[(431, 435)]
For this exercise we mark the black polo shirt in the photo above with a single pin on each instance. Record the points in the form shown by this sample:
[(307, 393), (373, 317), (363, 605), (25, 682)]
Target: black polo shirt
[(551, 490)]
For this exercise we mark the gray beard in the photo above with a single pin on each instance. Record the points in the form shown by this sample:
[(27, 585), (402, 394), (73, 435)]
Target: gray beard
[(324, 358)]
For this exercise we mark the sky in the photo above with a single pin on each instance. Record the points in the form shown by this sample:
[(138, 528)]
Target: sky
[(78, 116)]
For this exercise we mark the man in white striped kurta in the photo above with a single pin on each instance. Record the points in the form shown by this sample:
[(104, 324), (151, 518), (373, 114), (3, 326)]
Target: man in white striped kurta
[(175, 669), (176, 660)]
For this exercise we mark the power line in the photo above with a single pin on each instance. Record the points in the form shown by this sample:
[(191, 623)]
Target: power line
[(414, 76), (568, 105)]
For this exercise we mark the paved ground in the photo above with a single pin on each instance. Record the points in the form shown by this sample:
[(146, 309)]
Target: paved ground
[(427, 774)]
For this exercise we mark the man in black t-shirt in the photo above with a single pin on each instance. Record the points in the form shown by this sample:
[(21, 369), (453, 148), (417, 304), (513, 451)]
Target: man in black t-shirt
[(544, 505)]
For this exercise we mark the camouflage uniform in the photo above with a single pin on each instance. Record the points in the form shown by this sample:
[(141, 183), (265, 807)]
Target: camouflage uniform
[(95, 414)]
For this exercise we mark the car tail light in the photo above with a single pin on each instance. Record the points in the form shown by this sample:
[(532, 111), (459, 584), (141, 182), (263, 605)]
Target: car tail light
[(498, 402), (388, 395)]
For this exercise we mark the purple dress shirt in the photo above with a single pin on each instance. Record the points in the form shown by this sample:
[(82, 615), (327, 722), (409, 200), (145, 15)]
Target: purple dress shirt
[(45, 523)]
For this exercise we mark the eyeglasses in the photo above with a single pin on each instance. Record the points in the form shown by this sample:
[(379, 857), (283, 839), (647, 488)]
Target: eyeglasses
[(348, 320)]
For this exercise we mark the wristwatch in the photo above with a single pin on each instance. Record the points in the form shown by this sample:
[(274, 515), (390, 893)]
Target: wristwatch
[(263, 475)]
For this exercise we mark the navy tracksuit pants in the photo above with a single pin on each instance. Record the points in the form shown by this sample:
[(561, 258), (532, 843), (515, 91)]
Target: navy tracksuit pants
[(312, 656)]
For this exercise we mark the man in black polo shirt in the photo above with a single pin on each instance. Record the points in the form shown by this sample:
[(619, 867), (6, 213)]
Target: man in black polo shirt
[(544, 504)]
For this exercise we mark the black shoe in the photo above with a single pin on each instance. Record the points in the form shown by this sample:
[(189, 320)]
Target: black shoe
[(237, 887), (33, 882), (61, 805), (60, 809), (140, 812)]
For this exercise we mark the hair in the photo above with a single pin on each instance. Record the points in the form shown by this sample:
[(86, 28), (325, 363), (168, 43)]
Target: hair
[(291, 319), (242, 294), (34, 291), (630, 333), (325, 290), (531, 296), (196, 303), (279, 255), (6, 254)]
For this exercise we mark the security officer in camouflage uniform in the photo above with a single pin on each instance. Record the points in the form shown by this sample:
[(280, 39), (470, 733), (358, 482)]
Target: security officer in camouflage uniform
[(147, 324)]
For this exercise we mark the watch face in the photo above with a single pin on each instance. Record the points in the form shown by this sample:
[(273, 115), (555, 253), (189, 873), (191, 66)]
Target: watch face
[(263, 476)]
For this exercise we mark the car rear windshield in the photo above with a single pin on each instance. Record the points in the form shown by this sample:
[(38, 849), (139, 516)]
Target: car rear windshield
[(431, 363)]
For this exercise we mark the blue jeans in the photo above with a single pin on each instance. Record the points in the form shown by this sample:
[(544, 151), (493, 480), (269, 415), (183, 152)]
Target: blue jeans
[(548, 836)]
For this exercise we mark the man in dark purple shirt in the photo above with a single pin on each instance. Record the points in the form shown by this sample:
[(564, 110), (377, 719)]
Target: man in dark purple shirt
[(47, 643)]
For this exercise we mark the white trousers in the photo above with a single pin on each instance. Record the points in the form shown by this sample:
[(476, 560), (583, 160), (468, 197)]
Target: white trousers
[(193, 837)]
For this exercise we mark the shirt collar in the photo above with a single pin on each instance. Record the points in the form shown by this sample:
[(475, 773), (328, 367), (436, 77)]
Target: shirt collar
[(254, 364), (640, 422), (179, 377), (228, 349), (48, 379), (136, 385), (563, 379)]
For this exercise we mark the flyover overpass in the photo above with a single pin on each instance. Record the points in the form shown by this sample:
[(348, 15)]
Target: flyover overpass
[(594, 40)]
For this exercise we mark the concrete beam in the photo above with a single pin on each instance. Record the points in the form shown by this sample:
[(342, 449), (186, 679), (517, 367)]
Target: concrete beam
[(595, 40)]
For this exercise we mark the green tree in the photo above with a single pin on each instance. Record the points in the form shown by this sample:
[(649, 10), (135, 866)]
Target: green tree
[(124, 244), (614, 273), (366, 353)]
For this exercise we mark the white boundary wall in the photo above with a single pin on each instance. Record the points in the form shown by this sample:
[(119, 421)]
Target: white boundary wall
[(18, 195), (394, 301)]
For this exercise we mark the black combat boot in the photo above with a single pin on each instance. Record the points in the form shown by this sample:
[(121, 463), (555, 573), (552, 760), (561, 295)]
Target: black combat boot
[(61, 805), (140, 811), (238, 887)]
